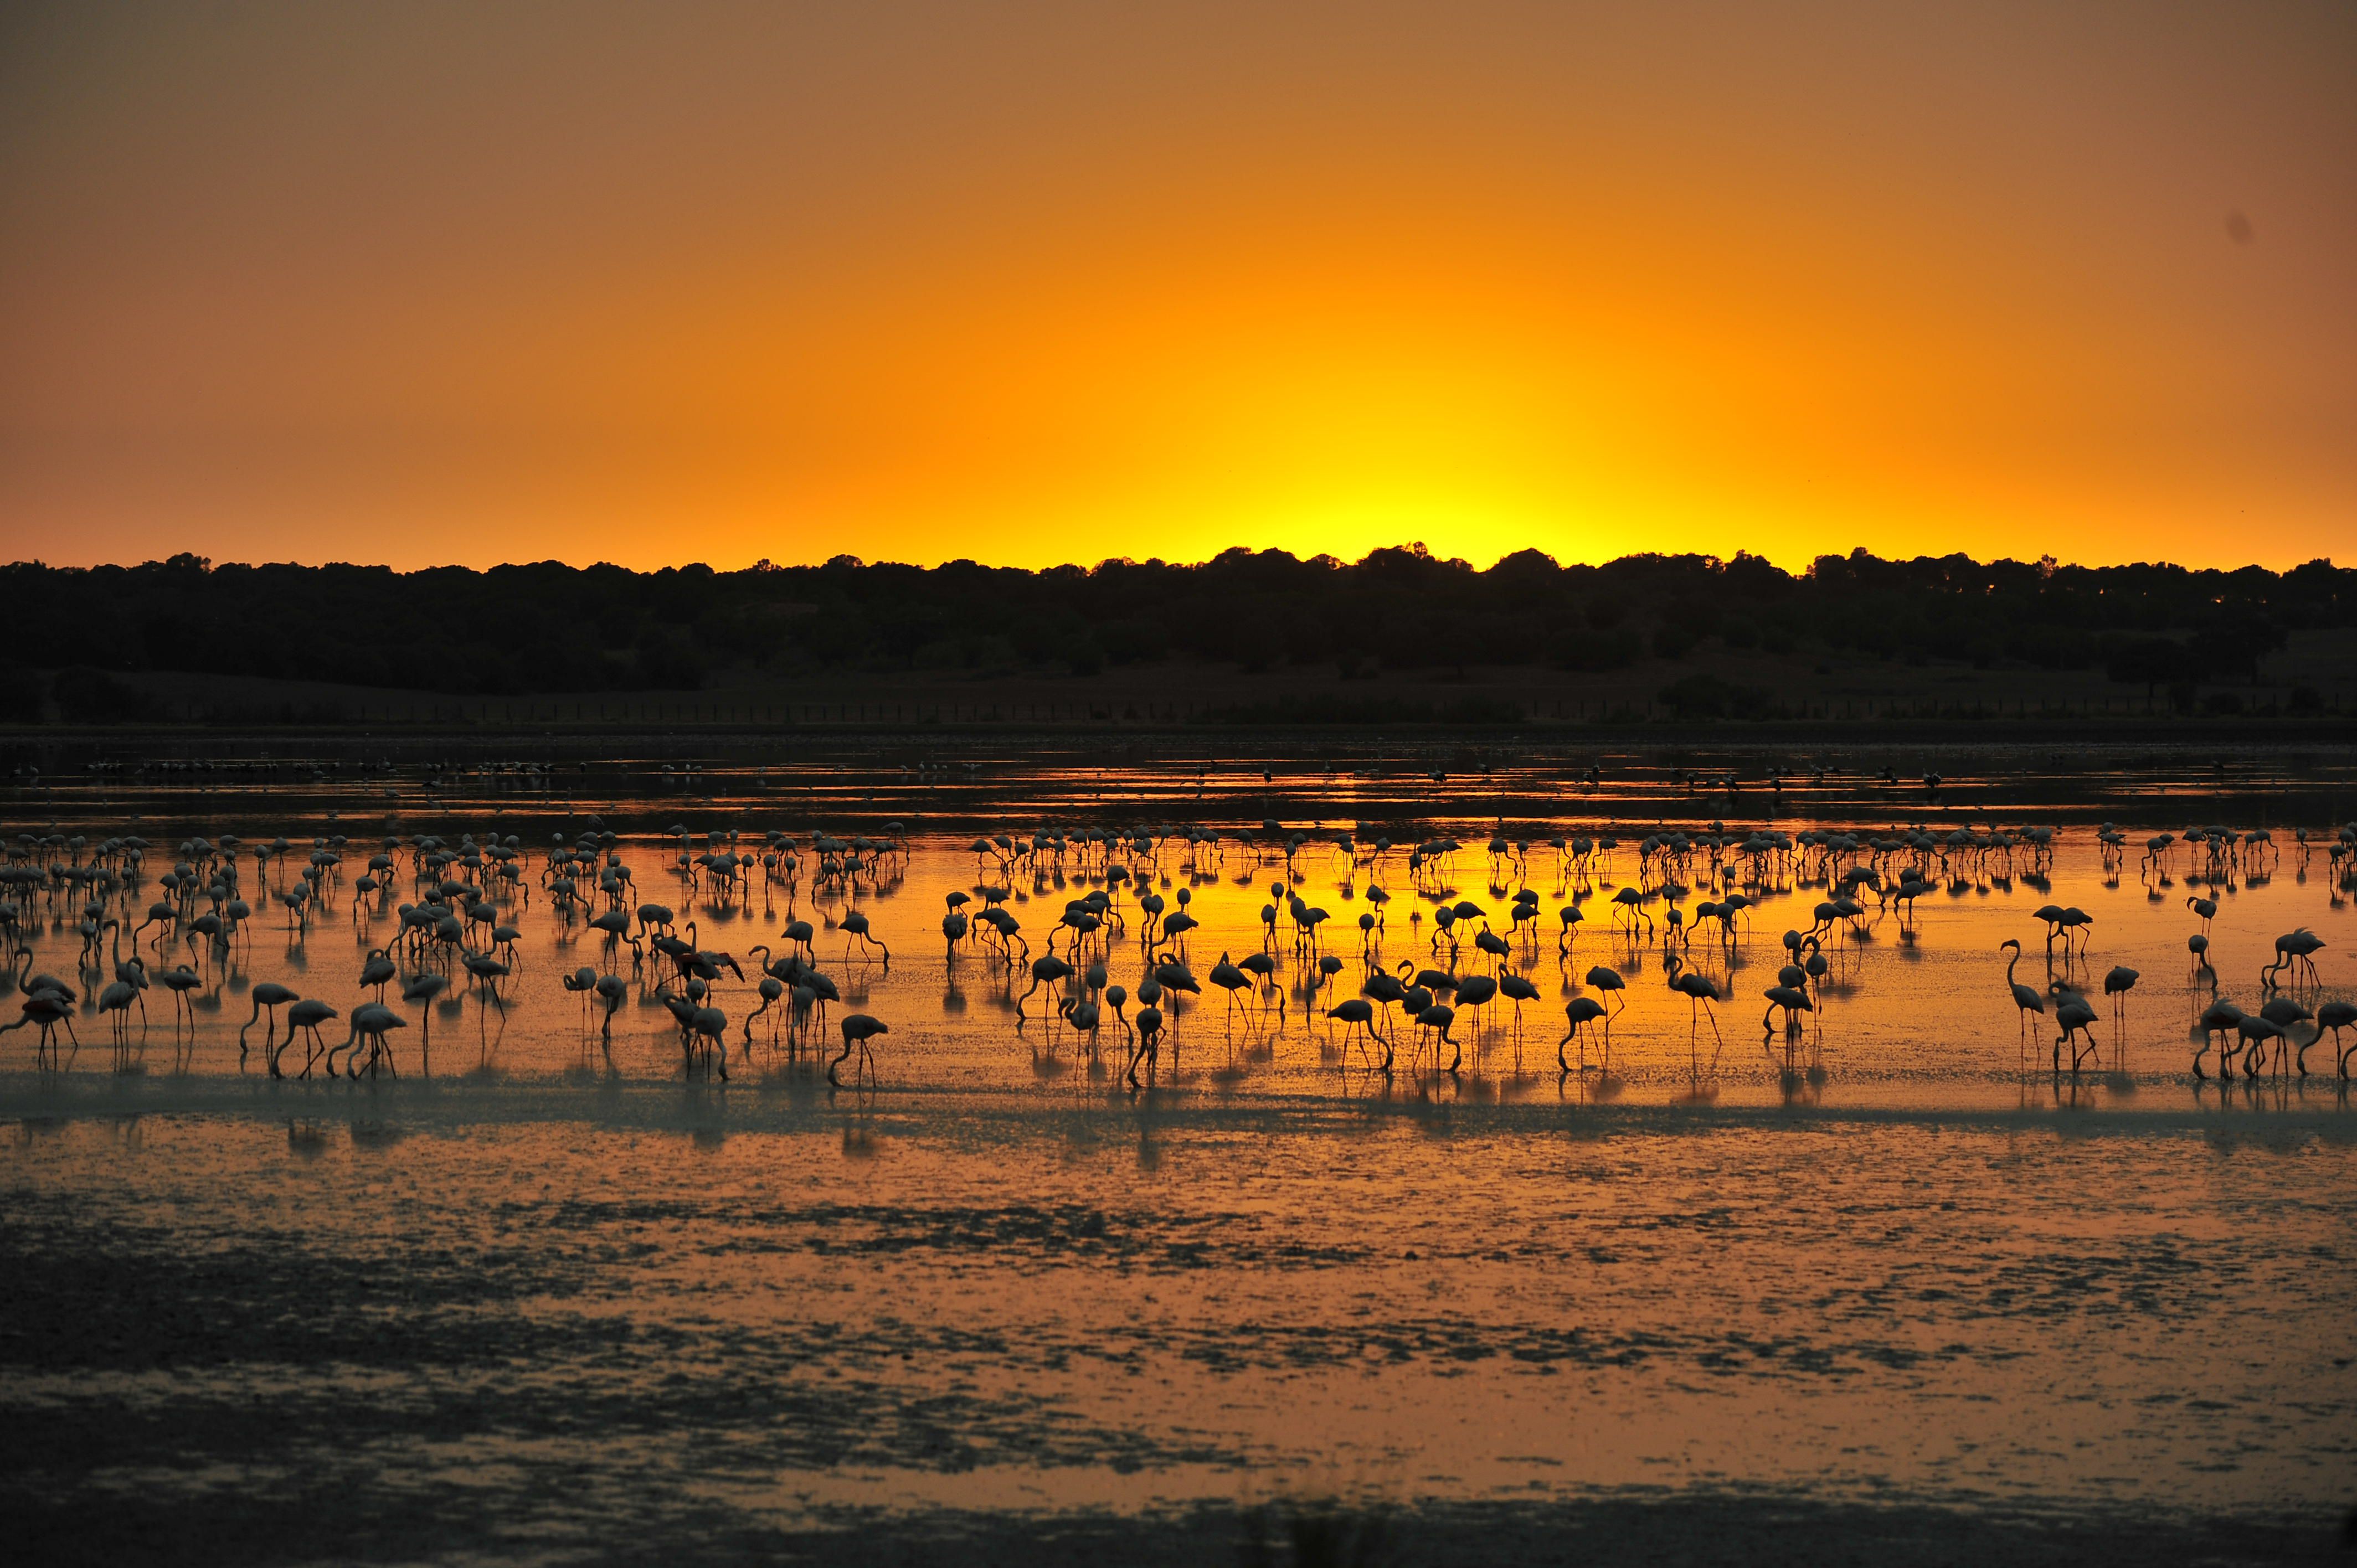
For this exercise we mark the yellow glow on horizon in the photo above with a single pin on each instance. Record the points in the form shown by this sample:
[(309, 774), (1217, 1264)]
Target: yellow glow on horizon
[(1578, 280)]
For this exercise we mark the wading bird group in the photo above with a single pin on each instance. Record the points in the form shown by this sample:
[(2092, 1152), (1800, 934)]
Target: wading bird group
[(1105, 950)]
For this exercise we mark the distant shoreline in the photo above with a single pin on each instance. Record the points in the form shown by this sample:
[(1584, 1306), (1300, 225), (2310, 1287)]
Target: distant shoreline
[(1662, 730)]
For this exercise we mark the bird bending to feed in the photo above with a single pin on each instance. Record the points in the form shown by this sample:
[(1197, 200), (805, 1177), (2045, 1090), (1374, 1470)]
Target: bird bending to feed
[(859, 1028), (2076, 1019)]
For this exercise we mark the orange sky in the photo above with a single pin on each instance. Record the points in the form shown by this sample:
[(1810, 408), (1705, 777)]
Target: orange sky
[(1031, 284)]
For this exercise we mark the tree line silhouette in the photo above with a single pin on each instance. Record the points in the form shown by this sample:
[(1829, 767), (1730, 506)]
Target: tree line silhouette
[(551, 628)]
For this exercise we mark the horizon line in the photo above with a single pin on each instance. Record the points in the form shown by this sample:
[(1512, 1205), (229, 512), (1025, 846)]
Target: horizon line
[(1413, 548)]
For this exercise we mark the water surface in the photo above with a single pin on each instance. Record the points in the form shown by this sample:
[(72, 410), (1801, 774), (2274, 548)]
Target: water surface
[(547, 1294)]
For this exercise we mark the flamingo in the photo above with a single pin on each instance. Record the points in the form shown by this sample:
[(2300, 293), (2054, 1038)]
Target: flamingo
[(1579, 1012), (116, 1000), (770, 989), (1438, 1016), (1699, 992), (616, 926), (180, 980), (2025, 1000), (2219, 1019), (305, 1015), (2116, 985), (1607, 980), (1083, 1015), (2283, 1013), (1047, 969), (2255, 1031), (859, 1028), (47, 1009), (1517, 990), (854, 924), (1329, 968), (1794, 1000), (1148, 1047), (1229, 979), (1263, 970), (1357, 1013), (581, 982), (2335, 1016), (420, 992), (271, 996), (371, 1021), (487, 972), (2075, 1017), (2294, 950), (611, 989), (1174, 976), (703, 1028)]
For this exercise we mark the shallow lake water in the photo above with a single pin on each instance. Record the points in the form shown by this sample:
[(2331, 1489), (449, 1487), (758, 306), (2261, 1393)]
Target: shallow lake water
[(551, 1292)]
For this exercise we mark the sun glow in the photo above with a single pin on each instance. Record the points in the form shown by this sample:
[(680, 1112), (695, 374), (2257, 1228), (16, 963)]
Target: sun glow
[(989, 289)]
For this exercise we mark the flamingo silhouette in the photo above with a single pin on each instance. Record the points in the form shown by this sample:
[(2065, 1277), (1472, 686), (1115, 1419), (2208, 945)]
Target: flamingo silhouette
[(2025, 1000), (859, 1028)]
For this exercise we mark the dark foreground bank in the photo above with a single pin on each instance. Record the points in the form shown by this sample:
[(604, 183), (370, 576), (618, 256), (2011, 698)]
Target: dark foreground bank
[(341, 1518)]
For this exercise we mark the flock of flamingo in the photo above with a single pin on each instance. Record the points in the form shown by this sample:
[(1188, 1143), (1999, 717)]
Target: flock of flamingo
[(448, 914)]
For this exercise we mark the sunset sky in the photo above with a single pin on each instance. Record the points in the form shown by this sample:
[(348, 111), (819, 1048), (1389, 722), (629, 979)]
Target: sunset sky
[(1028, 283)]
